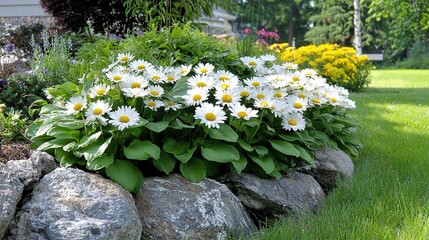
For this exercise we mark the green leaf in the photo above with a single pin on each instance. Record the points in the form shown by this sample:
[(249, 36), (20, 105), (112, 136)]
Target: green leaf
[(225, 133), (157, 126), (165, 163), (177, 124), (95, 149), (142, 150), (304, 154), (126, 174), (71, 146), (244, 145), (266, 163), (184, 157), (179, 88), (241, 164), (285, 147), (253, 122), (45, 127), (174, 147), (194, 170), (219, 152), (261, 150), (66, 159), (88, 139), (289, 138), (71, 124), (63, 133), (54, 143), (101, 162)]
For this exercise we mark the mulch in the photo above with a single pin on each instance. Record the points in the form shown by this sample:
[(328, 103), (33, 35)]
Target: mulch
[(15, 150)]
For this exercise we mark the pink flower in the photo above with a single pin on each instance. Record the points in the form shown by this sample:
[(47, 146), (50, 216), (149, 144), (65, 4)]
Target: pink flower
[(247, 31)]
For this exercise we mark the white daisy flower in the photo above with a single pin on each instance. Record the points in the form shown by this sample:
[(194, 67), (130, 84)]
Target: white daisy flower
[(171, 75), (110, 67), (242, 112), (227, 97), (201, 81), (252, 62), (173, 105), (308, 72), (268, 58), (99, 90), (302, 94), (154, 104), (95, 112), (195, 96), (316, 100), (289, 66), (156, 91), (211, 115), (204, 69), (245, 91), (279, 108), (134, 82), (293, 121), (156, 76), (262, 93), (75, 104), (264, 103), (124, 117), (255, 82), (116, 75), (224, 75), (125, 57), (234, 83), (135, 92), (279, 94), (141, 66), (297, 104), (184, 70)]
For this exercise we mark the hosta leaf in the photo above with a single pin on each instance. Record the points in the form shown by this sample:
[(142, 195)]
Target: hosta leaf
[(101, 162), (63, 133), (95, 149), (126, 174), (194, 170), (266, 163), (219, 152), (174, 147), (165, 163), (285, 147), (225, 133), (142, 150), (184, 157), (54, 143), (88, 139), (261, 150), (66, 159), (244, 145), (157, 126), (241, 164)]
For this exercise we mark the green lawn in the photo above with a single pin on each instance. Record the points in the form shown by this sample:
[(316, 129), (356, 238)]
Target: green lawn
[(388, 197)]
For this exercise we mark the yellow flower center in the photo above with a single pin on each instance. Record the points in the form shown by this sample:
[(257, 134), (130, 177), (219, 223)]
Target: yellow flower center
[(151, 104), (117, 78), (170, 103), (224, 85), (278, 95), (135, 85), (196, 97), (100, 91), (223, 78), (170, 78), (183, 71), (156, 78), (242, 114), (201, 84), (210, 116), (255, 84), (97, 111), (227, 98), (77, 107), (260, 96), (292, 122), (141, 67), (295, 78), (301, 95), (264, 104), (334, 100), (124, 119), (124, 59), (315, 100), (252, 63), (297, 105), (204, 70), (154, 93), (244, 94)]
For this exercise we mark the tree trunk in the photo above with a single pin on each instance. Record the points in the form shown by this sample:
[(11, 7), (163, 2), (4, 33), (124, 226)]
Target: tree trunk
[(356, 23)]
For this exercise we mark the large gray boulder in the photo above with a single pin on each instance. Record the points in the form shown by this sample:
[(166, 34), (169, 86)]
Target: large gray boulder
[(330, 166), (10, 193), (30, 171), (174, 208), (265, 198), (72, 204)]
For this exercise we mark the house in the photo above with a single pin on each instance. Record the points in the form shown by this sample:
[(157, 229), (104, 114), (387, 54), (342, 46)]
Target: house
[(220, 22), (23, 12)]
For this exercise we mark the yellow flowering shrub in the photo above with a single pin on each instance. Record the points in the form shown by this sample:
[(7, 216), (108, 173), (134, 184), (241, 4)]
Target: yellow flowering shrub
[(339, 65)]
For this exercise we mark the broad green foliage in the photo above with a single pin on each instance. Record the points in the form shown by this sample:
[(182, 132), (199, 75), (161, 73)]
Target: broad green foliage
[(339, 65), (154, 104)]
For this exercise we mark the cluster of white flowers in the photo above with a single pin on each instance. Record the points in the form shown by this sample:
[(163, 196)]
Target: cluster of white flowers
[(216, 96)]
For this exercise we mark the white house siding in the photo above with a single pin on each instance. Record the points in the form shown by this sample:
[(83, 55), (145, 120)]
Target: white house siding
[(17, 12)]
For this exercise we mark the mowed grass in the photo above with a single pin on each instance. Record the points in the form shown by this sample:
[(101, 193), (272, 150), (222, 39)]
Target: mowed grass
[(388, 196)]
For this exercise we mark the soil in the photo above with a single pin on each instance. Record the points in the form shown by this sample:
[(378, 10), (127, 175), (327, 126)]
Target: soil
[(15, 150)]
